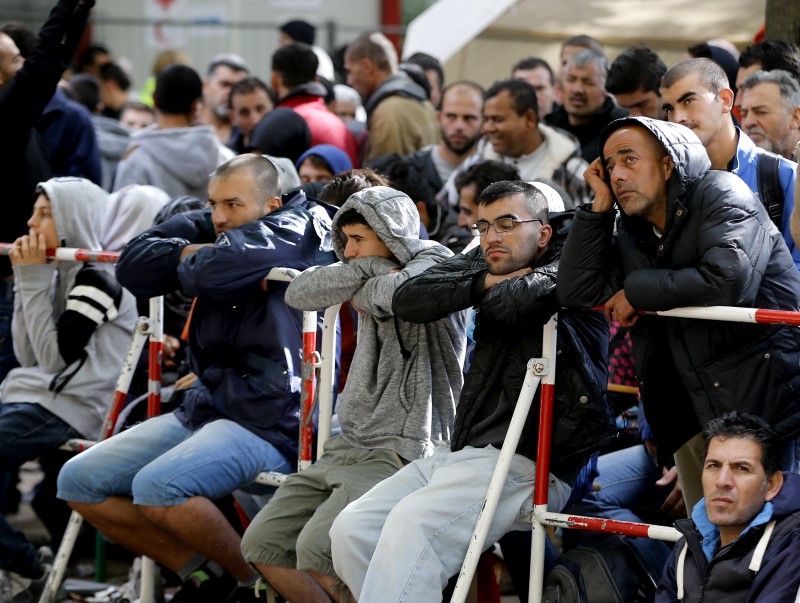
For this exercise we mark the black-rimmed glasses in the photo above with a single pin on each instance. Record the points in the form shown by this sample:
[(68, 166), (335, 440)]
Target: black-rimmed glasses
[(501, 225)]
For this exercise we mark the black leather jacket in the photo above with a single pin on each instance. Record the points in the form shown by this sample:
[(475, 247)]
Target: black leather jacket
[(508, 333)]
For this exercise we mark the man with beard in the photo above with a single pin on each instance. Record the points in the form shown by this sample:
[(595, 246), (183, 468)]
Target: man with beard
[(515, 136), (460, 122)]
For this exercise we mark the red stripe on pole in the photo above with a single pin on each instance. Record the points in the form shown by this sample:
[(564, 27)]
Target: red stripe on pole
[(116, 408), (154, 377), (543, 446), (778, 317), (611, 526), (309, 390)]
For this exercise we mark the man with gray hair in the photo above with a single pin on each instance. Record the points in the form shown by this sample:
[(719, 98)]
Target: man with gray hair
[(223, 72), (770, 111), (400, 119), (587, 106)]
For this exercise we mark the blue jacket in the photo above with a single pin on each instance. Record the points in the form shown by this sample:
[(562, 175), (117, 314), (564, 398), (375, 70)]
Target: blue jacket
[(714, 574), (246, 345), (745, 166), (68, 133)]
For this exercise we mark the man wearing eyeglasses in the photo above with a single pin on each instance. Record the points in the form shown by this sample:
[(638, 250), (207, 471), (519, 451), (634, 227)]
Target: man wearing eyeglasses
[(407, 536)]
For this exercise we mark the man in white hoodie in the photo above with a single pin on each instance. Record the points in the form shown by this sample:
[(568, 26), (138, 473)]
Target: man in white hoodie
[(175, 155), (72, 325)]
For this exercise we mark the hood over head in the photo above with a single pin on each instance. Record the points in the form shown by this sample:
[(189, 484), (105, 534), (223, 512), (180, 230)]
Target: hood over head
[(131, 211), (188, 154), (683, 146), (391, 214), (335, 157), (287, 174), (79, 210)]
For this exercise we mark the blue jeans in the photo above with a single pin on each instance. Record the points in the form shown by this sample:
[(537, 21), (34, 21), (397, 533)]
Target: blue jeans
[(162, 463), (402, 540), (628, 492), (26, 431)]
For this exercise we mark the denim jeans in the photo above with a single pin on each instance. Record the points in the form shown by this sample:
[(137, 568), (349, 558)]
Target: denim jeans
[(628, 492), (163, 463), (404, 538), (26, 431)]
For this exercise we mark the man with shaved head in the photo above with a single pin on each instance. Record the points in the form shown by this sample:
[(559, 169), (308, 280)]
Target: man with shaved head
[(400, 118), (686, 236)]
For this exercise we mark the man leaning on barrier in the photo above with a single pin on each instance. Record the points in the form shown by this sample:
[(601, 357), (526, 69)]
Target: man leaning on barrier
[(686, 236), (402, 540), (151, 488)]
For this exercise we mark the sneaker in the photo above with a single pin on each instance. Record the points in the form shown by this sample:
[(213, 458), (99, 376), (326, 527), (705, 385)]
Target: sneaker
[(19, 589)]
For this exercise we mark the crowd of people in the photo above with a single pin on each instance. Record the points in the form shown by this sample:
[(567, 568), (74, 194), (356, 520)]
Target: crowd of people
[(451, 221)]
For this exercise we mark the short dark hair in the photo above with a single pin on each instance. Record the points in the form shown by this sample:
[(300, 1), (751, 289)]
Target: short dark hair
[(115, 73), (346, 183), (248, 85), (773, 54), (417, 75), (638, 68), (86, 90), (530, 63), (465, 84), (296, 63), (177, 89), (264, 173), (533, 198), (90, 54), (137, 106), (485, 173), (23, 37), (377, 48), (232, 61), (585, 41), (523, 95), (428, 63), (351, 217), (407, 178), (737, 424), (712, 76)]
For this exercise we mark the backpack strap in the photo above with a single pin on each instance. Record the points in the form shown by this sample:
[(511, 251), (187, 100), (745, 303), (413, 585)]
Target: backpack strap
[(679, 571), (769, 186), (761, 547)]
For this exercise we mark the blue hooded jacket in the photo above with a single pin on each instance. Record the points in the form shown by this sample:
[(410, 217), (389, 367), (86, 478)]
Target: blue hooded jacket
[(246, 344)]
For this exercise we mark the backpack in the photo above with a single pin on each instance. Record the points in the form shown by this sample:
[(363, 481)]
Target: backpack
[(604, 568), (769, 186)]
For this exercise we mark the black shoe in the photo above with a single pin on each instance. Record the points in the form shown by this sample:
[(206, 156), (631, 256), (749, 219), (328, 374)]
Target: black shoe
[(205, 587), (251, 594)]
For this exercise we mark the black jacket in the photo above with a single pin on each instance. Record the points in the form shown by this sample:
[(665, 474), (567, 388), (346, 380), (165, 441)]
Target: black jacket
[(732, 575), (718, 248), (588, 133), (24, 161), (508, 333)]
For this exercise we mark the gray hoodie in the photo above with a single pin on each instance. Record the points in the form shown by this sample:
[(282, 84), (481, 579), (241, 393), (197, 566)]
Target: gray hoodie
[(176, 160), (405, 377), (72, 322), (113, 139)]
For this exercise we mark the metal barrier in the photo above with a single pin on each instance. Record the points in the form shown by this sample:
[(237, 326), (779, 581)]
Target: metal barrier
[(152, 328), (543, 370)]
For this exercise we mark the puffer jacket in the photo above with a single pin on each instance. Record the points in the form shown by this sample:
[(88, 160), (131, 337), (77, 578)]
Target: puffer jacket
[(719, 247), (508, 333), (245, 343), (735, 573)]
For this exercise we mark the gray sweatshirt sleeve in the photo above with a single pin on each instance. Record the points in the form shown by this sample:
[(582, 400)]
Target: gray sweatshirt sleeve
[(35, 328), (322, 286), (375, 296)]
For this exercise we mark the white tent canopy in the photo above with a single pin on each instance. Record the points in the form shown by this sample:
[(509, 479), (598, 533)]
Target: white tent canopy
[(481, 39)]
